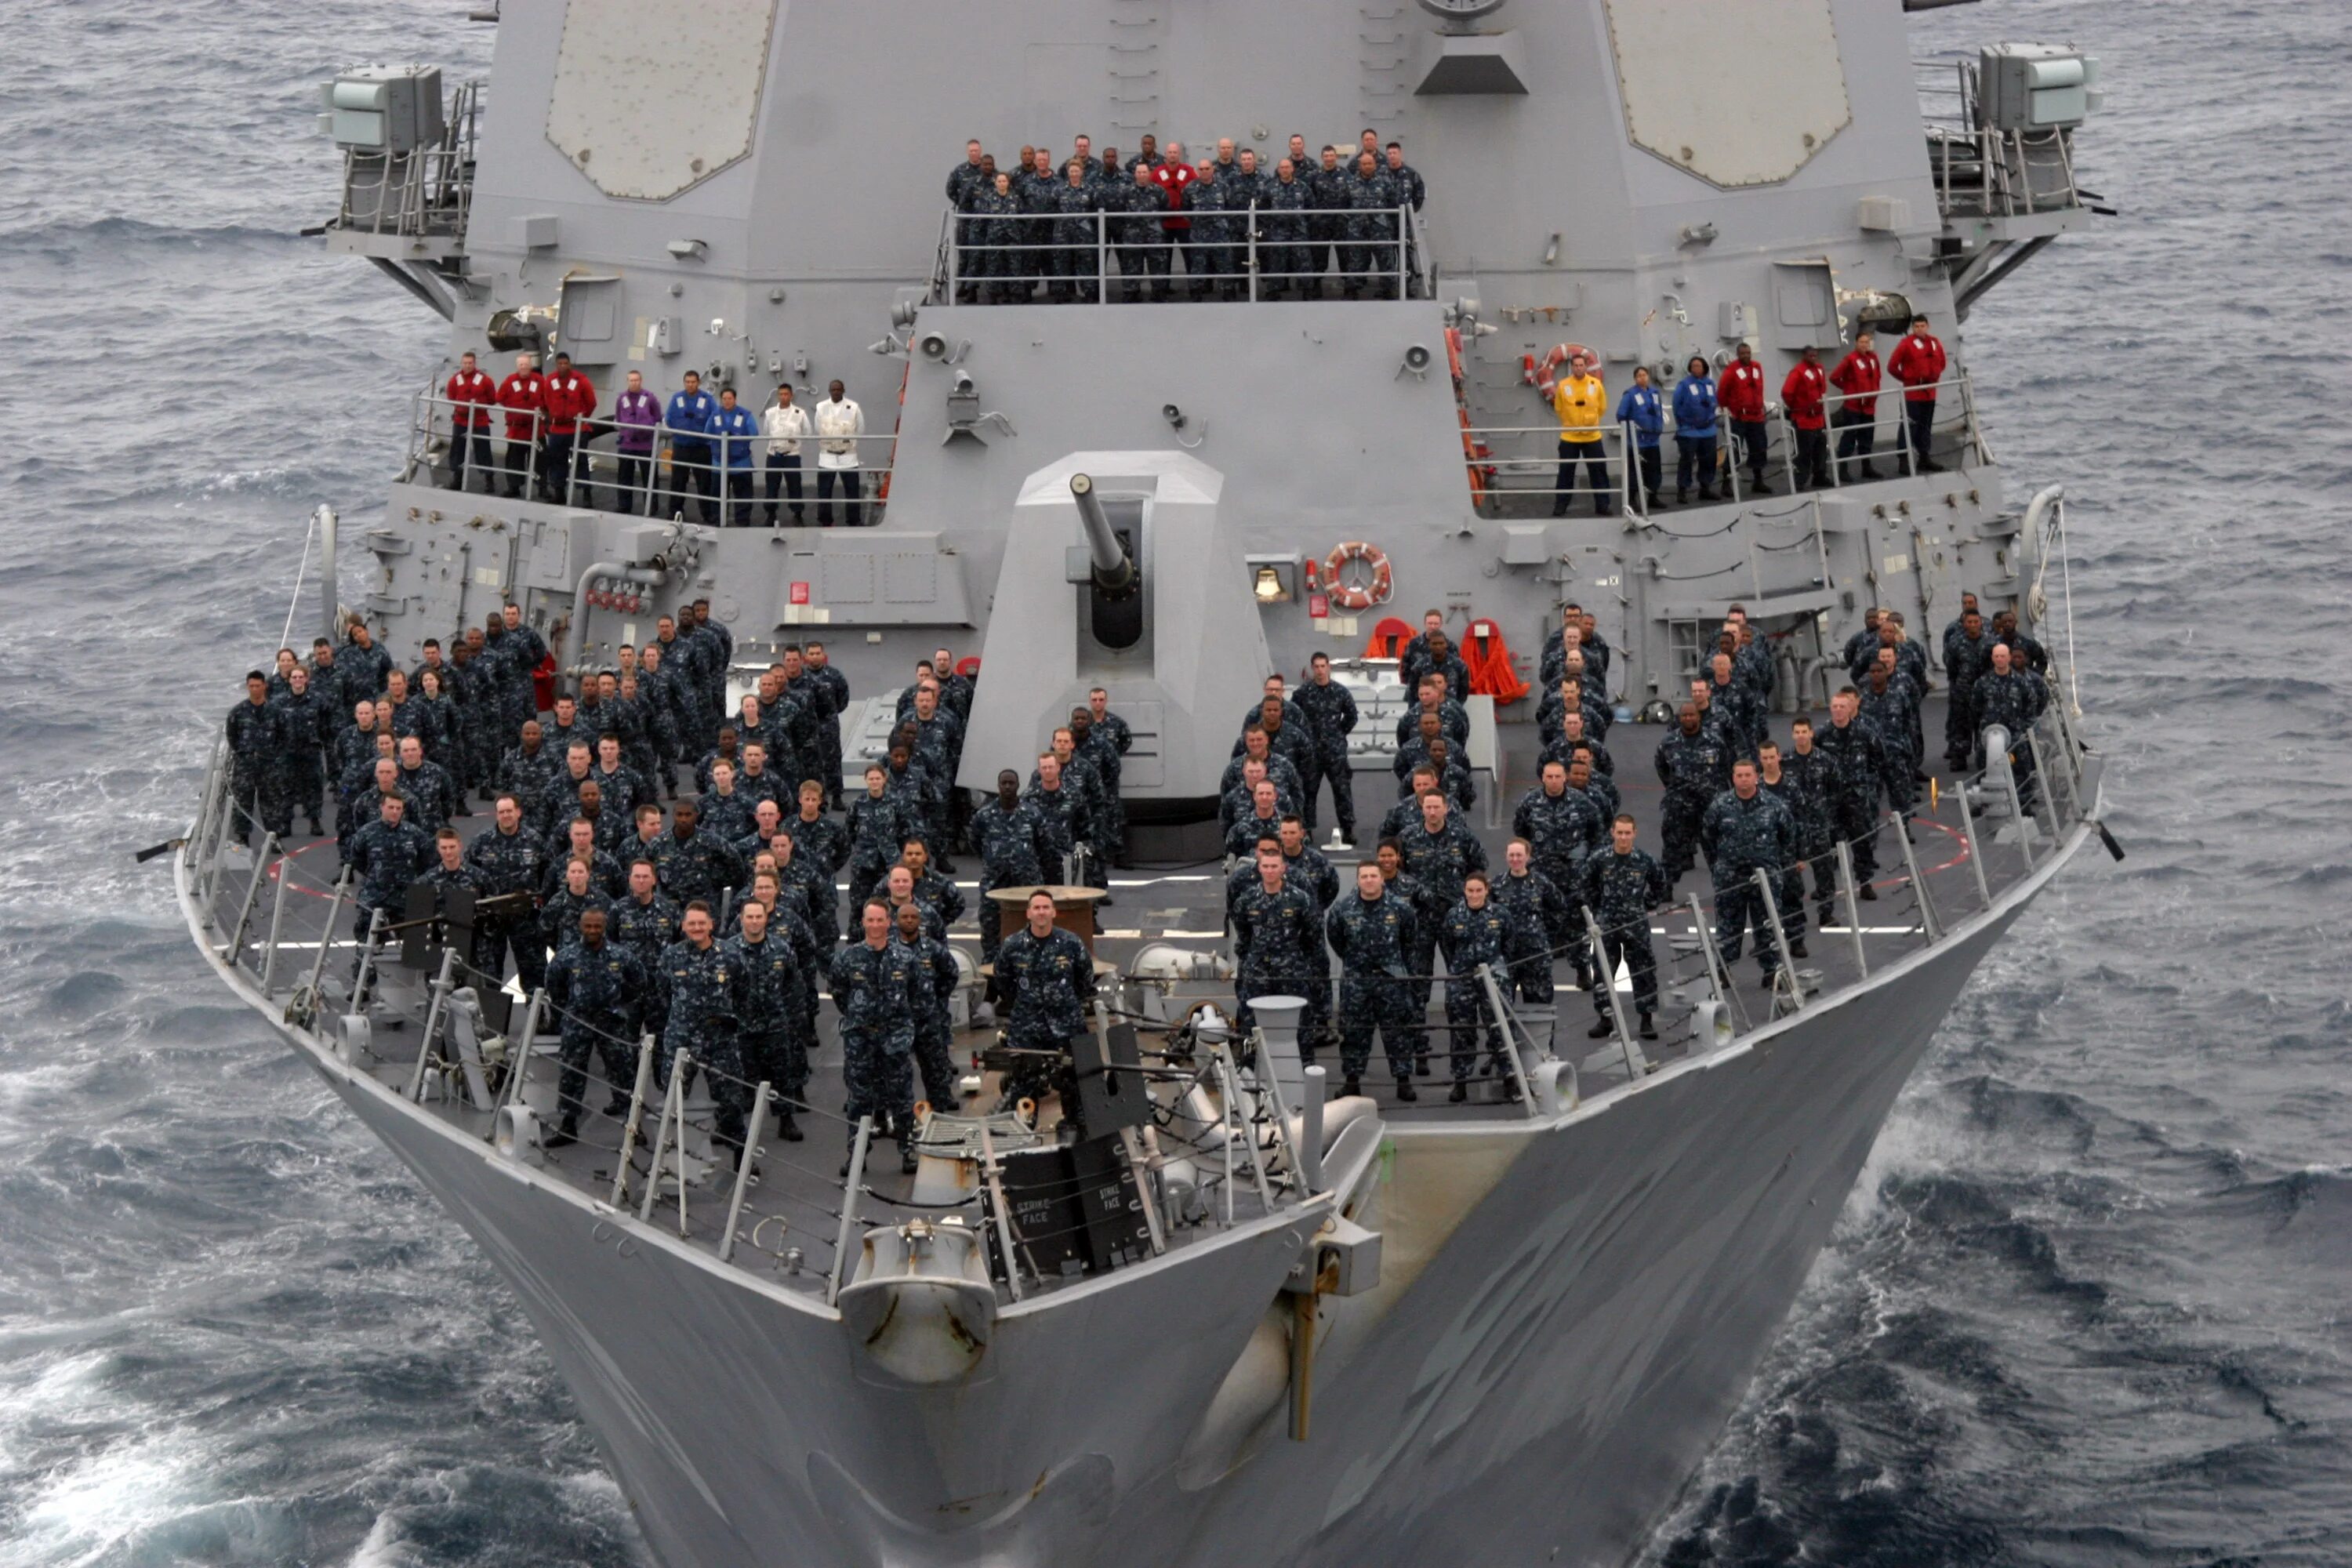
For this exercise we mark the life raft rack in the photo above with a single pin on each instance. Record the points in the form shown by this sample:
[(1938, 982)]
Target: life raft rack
[(1349, 593)]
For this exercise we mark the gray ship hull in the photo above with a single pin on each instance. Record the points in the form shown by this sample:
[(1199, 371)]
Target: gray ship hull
[(1558, 1333)]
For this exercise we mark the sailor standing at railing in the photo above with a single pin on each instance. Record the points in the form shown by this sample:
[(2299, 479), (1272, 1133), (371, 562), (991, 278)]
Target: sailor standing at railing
[(873, 985), (570, 399), (1475, 931), (2012, 698), (635, 413), (1746, 830), (1621, 885), (840, 421), (1743, 395), (785, 424), (1545, 919), (385, 855), (1804, 788), (771, 1043), (597, 988), (1858, 378), (1371, 933), (1857, 764), (1412, 191), (1694, 431), (257, 741), (470, 393), (307, 723), (698, 997), (1918, 364), (1371, 250), (1278, 945), (935, 982), (1789, 889), (523, 394), (1643, 413), (1802, 394), (1578, 400), (685, 421), (731, 429)]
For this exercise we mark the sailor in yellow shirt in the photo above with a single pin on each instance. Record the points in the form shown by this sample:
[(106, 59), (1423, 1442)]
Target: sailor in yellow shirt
[(1581, 403)]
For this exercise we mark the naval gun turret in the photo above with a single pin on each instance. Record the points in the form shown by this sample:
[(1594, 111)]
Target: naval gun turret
[(1121, 570)]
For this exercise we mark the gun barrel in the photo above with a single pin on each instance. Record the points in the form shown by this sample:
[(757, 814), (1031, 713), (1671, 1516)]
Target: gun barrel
[(1114, 573)]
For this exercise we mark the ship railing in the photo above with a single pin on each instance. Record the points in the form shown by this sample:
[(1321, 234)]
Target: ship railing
[(1006, 259), (1508, 463), (1979, 171), (643, 470), (426, 193)]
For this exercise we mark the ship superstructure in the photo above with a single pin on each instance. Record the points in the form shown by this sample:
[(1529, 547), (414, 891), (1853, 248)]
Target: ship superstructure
[(1269, 1328)]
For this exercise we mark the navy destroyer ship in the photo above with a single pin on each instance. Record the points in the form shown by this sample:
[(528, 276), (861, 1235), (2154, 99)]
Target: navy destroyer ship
[(1249, 1321)]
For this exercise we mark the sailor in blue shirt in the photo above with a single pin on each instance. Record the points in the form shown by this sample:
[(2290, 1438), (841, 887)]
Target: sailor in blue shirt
[(732, 430), (1642, 408), (1694, 404), (685, 421)]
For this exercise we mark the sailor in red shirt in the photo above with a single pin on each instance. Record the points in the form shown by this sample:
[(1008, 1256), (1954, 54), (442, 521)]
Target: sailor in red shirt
[(570, 399), (1856, 419), (470, 393), (1739, 392), (1802, 394), (1917, 362), (1172, 176), (523, 396)]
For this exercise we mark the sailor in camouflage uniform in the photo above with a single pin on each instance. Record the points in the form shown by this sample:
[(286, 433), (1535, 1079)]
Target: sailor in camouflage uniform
[(256, 739), (597, 988), (1544, 920), (1371, 933), (1477, 932), (505, 863), (385, 855), (306, 725), (698, 995), (1854, 763), (1439, 852), (1044, 978), (1747, 830), (771, 1033), (1371, 253), (879, 824), (1278, 940), (644, 921), (1329, 713), (936, 979), (874, 984), (1622, 886), (1694, 766), (1020, 845), (1795, 792), (2013, 699)]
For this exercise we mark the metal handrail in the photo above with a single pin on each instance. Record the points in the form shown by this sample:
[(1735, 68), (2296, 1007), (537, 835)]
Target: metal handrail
[(423, 193), (593, 477), (1405, 255), (1487, 467)]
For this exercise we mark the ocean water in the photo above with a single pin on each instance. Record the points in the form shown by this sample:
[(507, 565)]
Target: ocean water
[(2085, 1307)]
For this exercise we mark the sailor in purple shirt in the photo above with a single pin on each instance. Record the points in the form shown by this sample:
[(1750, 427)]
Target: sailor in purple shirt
[(635, 415)]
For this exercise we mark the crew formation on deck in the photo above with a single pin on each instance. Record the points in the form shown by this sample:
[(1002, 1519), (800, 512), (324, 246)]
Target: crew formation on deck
[(1232, 224), (661, 862)]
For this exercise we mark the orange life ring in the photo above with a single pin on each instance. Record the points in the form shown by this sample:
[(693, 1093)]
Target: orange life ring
[(1354, 597), (1552, 361)]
